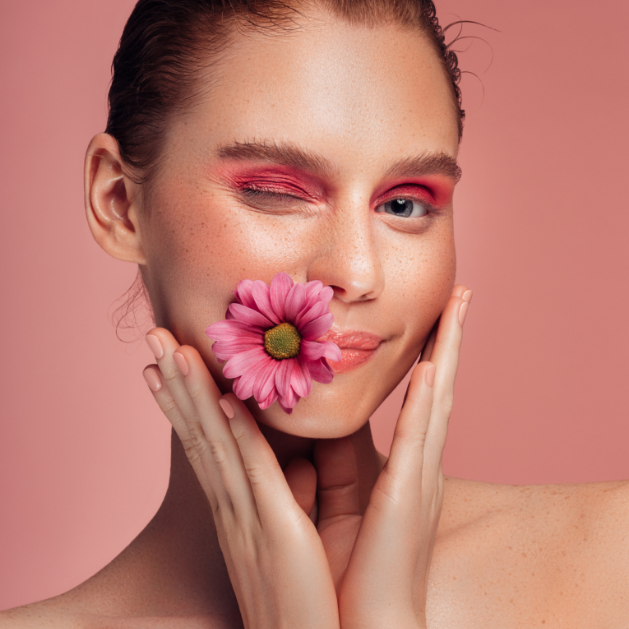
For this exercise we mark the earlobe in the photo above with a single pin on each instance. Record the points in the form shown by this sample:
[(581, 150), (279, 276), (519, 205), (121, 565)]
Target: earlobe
[(112, 201)]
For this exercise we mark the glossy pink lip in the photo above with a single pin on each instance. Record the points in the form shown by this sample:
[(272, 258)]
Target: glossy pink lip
[(352, 339), (356, 348)]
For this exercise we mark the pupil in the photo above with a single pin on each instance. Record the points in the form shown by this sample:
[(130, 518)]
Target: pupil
[(402, 207)]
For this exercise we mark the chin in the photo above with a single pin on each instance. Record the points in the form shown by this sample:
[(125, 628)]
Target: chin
[(332, 410), (314, 417)]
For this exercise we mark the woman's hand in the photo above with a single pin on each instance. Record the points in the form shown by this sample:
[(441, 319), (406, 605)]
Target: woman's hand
[(382, 576), (275, 558)]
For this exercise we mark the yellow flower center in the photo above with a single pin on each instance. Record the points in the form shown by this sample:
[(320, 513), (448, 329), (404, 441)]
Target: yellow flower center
[(282, 341)]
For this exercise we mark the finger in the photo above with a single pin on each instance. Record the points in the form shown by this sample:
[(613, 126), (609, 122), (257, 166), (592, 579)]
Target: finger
[(163, 345), (337, 480), (401, 479), (458, 291), (208, 420), (301, 477), (430, 342), (213, 454), (273, 497), (445, 356), (165, 401)]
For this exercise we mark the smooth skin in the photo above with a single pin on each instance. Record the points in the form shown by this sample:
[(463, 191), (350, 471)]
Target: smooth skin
[(276, 556), (232, 543)]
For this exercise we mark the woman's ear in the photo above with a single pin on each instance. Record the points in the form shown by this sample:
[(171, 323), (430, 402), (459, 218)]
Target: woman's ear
[(113, 201)]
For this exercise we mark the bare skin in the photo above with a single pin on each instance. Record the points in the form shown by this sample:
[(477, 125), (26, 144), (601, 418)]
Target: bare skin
[(503, 556)]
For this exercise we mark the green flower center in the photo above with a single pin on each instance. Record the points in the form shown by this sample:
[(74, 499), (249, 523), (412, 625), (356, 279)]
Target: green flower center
[(282, 341)]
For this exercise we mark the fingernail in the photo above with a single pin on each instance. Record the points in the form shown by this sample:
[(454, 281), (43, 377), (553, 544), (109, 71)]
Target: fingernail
[(462, 313), (155, 346), (152, 379), (430, 375), (182, 363), (228, 409), (467, 295)]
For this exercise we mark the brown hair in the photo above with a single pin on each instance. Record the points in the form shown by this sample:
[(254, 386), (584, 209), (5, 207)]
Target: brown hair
[(166, 43)]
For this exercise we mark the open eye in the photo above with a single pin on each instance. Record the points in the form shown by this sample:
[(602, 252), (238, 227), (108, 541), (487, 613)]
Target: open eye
[(406, 208)]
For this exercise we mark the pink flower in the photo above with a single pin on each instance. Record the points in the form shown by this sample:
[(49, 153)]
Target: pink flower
[(268, 339)]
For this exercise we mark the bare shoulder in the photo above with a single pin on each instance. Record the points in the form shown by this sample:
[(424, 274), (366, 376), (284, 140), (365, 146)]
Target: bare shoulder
[(48, 614), (585, 514), (55, 613), (561, 550)]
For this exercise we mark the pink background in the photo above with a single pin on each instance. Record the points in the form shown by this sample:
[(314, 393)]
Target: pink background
[(542, 229)]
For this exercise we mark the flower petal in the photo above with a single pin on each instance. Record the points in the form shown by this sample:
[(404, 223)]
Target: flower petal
[(288, 410), (313, 288), (295, 301), (244, 294), (321, 371), (263, 301), (314, 350), (283, 376), (317, 328), (252, 359), (280, 286), (326, 294), (265, 380), (310, 314), (250, 316), (311, 350), (231, 329), (331, 351), (225, 351), (301, 382), (243, 385), (289, 401), (268, 400)]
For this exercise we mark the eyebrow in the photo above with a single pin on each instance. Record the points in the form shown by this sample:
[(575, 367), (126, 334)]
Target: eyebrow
[(289, 154), (427, 164)]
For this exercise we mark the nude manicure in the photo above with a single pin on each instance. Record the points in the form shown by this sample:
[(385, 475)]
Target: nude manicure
[(430, 375), (152, 379), (467, 295), (155, 346), (463, 312), (182, 363), (228, 409)]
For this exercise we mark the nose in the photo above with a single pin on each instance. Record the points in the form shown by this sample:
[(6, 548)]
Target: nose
[(348, 259)]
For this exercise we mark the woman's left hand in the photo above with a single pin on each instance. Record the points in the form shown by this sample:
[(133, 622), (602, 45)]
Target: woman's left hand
[(382, 576)]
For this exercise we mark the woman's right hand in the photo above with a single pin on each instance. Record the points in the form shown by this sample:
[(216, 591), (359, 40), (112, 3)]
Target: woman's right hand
[(276, 561)]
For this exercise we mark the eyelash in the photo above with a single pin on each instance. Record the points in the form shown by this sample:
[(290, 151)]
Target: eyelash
[(431, 210), (260, 192)]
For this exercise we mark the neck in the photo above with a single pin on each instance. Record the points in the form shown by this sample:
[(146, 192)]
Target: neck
[(178, 551)]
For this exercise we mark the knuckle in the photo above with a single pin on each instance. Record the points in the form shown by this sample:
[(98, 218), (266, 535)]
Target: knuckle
[(385, 497), (217, 450), (239, 432), (168, 406), (194, 446), (255, 473), (447, 403)]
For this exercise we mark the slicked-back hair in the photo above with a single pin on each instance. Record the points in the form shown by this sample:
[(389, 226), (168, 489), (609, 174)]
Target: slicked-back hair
[(166, 44)]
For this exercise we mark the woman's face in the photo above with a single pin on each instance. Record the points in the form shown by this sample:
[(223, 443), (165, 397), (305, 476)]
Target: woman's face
[(328, 153)]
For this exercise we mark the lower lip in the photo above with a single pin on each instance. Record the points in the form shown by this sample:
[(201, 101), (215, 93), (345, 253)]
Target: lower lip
[(350, 359)]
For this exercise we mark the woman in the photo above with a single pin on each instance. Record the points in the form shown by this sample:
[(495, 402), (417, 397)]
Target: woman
[(286, 152)]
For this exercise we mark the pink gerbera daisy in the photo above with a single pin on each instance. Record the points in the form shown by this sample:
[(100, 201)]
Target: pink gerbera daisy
[(268, 339)]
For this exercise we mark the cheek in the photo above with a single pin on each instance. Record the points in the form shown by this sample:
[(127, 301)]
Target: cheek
[(422, 285), (201, 246)]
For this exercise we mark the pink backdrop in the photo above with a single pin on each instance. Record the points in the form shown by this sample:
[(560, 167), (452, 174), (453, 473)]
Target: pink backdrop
[(542, 228)]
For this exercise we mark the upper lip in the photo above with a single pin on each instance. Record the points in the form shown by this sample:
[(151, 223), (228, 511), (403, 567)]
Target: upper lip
[(352, 339)]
